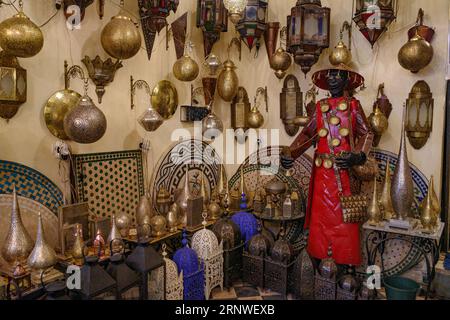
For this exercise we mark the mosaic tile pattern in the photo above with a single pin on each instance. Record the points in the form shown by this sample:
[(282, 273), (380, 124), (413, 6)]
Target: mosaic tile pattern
[(110, 182), (30, 184)]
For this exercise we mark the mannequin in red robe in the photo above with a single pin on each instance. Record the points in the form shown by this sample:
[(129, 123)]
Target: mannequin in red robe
[(330, 126)]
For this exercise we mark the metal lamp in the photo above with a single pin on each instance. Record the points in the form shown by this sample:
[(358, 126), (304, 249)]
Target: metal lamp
[(373, 17), (308, 32), (212, 18), (235, 9), (419, 114), (13, 86), (253, 23)]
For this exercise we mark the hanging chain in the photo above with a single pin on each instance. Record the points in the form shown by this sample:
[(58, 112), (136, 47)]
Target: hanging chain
[(283, 37), (86, 86), (21, 5), (122, 3)]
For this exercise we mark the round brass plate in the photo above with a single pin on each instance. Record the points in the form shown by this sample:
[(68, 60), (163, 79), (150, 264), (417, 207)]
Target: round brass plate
[(165, 99), (325, 108), (328, 163), (323, 133), (56, 108), (344, 132), (318, 162), (335, 142), (335, 121), (342, 106)]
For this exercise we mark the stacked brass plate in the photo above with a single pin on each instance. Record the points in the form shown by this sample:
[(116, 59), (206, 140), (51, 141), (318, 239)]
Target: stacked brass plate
[(58, 105), (165, 99)]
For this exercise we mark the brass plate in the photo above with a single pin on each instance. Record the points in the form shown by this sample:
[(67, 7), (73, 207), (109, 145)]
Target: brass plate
[(344, 132), (328, 163), (56, 108), (336, 142), (318, 162), (335, 121), (325, 108), (165, 99), (342, 106), (323, 133)]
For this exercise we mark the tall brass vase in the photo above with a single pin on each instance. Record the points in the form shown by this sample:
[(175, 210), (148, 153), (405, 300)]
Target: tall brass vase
[(43, 255)]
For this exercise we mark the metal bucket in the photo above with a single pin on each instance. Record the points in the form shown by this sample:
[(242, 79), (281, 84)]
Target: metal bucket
[(400, 288)]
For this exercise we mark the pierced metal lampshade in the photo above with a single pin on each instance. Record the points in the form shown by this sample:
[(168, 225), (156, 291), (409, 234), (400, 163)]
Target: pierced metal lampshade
[(151, 120)]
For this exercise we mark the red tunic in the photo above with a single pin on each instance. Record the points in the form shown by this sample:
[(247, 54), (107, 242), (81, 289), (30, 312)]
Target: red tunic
[(324, 214)]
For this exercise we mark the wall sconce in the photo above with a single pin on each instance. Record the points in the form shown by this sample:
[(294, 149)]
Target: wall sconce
[(374, 17), (255, 119), (101, 73), (419, 114), (379, 119), (308, 32), (13, 86), (253, 23), (281, 61), (212, 18), (291, 105), (153, 18), (240, 109), (150, 120)]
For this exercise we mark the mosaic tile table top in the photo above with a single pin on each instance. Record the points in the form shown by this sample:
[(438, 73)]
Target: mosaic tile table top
[(110, 182), (30, 184), (171, 168)]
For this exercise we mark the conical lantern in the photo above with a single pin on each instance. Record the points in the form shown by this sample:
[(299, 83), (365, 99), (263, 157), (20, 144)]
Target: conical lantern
[(385, 199), (18, 243), (121, 38), (114, 233), (85, 123), (20, 37), (77, 248), (402, 192), (43, 256), (374, 211), (427, 214), (253, 23)]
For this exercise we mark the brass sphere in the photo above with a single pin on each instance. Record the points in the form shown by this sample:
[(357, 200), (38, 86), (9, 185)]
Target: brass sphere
[(255, 119), (214, 211), (20, 37), (228, 82), (85, 123), (416, 54), (378, 122), (281, 61), (186, 69), (158, 224), (121, 38), (340, 55)]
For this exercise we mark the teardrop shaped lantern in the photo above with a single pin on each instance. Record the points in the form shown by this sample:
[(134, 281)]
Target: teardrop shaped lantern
[(374, 17), (43, 255)]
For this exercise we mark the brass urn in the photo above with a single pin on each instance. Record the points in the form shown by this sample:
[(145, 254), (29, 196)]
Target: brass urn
[(228, 82), (280, 61), (20, 37), (43, 255), (378, 121), (186, 69), (416, 54), (121, 38), (255, 118)]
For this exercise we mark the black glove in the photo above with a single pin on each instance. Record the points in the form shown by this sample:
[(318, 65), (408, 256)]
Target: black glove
[(347, 160), (286, 160)]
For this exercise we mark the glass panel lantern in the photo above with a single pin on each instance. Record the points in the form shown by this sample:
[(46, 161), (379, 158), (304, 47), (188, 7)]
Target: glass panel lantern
[(308, 32), (419, 114), (13, 86), (253, 24), (212, 18), (373, 17)]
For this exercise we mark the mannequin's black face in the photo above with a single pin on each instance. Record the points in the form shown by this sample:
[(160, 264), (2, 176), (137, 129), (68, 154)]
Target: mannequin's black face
[(337, 81)]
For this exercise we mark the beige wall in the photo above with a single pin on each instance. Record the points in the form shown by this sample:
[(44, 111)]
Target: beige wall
[(25, 138)]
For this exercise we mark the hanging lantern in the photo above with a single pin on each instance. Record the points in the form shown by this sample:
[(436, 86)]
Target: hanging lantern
[(419, 114), (308, 32), (373, 17), (341, 54), (153, 18), (253, 23), (417, 53), (13, 85), (291, 105), (240, 108), (255, 118), (19, 36), (212, 18), (186, 69), (235, 9), (379, 119), (121, 38)]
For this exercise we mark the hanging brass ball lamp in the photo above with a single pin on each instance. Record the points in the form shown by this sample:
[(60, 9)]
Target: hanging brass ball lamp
[(378, 121), (280, 61), (186, 69), (341, 54), (255, 119), (20, 37), (121, 38)]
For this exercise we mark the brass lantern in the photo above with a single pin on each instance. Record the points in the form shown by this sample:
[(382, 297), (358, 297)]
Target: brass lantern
[(291, 105), (240, 109), (253, 24), (419, 114), (13, 86), (373, 17), (308, 32), (212, 18), (235, 9)]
